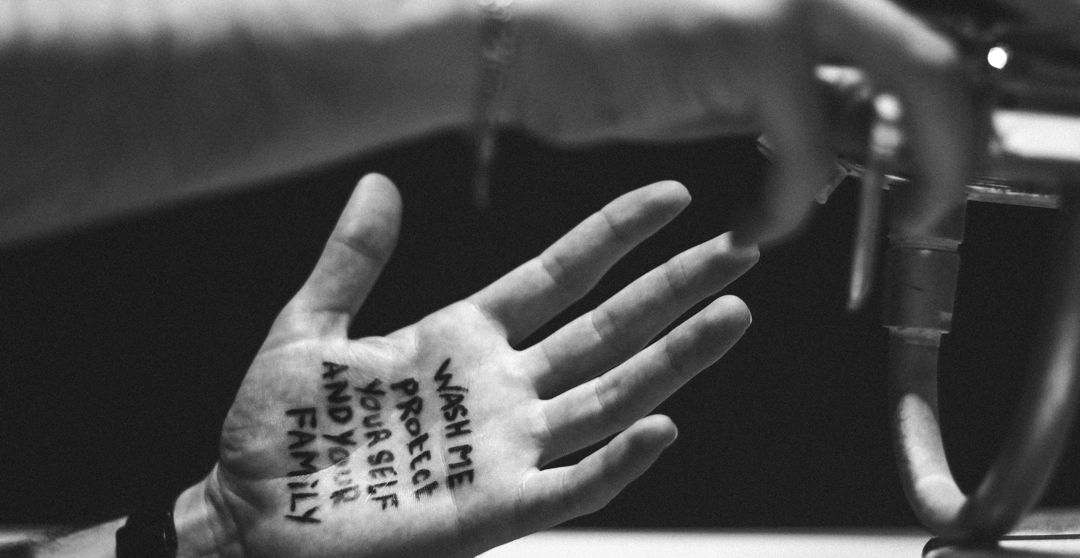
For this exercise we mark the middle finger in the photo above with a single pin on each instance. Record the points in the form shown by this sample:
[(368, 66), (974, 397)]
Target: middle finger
[(622, 325)]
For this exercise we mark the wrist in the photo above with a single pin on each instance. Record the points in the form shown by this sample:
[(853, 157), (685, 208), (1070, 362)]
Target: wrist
[(204, 526)]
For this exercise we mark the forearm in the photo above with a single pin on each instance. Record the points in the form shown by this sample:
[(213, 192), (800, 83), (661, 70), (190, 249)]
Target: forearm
[(98, 541), (111, 106), (202, 531)]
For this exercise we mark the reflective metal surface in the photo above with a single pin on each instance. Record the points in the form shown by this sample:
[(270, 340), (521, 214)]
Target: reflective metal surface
[(1031, 94)]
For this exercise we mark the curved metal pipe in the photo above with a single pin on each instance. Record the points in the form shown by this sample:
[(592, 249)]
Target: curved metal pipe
[(1035, 441)]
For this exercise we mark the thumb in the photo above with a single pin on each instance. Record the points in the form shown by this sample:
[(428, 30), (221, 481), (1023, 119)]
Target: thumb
[(359, 247)]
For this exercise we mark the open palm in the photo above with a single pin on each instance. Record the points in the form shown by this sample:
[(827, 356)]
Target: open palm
[(433, 440)]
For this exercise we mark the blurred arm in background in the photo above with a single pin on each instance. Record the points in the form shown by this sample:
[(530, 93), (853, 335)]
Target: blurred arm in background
[(118, 106)]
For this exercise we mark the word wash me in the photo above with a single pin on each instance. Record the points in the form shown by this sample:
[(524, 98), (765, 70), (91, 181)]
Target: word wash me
[(366, 459)]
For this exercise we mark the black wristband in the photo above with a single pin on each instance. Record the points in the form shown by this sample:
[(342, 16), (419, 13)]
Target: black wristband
[(148, 533)]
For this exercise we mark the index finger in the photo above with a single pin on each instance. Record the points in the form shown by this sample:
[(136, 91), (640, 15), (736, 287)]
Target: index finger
[(533, 293), (906, 56), (354, 256)]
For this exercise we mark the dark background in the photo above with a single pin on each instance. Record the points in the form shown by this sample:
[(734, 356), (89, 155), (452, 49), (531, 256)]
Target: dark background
[(121, 347)]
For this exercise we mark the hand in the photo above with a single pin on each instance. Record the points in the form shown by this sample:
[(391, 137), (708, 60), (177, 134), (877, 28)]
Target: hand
[(431, 441), (598, 70)]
